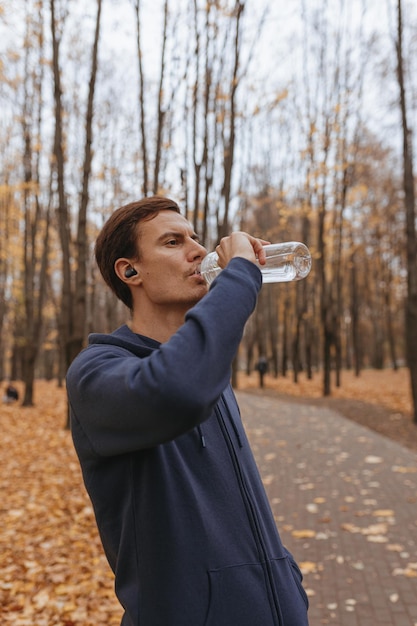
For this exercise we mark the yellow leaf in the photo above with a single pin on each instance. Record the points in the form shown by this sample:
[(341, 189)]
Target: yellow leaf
[(383, 513), (308, 567), (303, 534)]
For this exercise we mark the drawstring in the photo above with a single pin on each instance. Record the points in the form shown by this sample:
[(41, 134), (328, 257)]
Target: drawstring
[(202, 439)]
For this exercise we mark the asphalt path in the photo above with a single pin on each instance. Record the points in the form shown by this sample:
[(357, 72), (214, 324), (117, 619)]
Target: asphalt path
[(345, 502)]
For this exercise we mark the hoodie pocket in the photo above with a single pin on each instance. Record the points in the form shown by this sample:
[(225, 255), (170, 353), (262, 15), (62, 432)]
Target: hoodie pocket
[(238, 596), (298, 577), (293, 599)]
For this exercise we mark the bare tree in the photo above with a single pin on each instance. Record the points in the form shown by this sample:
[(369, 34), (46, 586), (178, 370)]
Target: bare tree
[(82, 247), (160, 109), (73, 303), (36, 218), (66, 317), (6, 206), (203, 160), (142, 103), (229, 131), (409, 200)]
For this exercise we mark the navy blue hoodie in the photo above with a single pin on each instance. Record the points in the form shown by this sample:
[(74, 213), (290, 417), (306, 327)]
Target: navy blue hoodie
[(181, 510)]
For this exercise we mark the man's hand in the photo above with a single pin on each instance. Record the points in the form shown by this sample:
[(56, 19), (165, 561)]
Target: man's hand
[(241, 244)]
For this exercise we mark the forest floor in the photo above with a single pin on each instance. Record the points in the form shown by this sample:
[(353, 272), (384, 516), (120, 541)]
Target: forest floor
[(377, 399)]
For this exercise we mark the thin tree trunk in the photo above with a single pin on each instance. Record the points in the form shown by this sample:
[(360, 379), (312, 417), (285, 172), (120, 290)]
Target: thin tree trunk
[(285, 326), (36, 222), (390, 326), (409, 198), (229, 147), (354, 312), (273, 327), (66, 316), (142, 105), (161, 113), (80, 317)]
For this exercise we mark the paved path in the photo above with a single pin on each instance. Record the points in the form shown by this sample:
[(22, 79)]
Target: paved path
[(345, 502)]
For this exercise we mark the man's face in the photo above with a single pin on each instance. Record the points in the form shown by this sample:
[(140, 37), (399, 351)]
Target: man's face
[(169, 256)]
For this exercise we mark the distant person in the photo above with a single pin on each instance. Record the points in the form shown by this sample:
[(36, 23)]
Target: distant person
[(262, 367), (11, 394), (179, 503)]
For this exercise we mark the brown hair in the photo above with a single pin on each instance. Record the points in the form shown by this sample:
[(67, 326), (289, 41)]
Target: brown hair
[(119, 238)]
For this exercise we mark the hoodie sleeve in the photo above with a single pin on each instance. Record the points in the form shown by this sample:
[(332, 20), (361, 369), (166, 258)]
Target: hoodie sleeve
[(121, 402)]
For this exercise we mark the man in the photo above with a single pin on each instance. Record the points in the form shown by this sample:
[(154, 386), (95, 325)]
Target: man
[(180, 507), (262, 367), (11, 395)]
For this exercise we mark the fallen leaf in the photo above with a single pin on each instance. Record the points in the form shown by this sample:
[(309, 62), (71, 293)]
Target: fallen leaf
[(373, 459), (303, 534), (377, 539), (383, 513), (395, 547), (408, 572), (308, 567), (404, 470)]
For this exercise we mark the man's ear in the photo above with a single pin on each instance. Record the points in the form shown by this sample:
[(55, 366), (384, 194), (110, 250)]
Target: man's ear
[(127, 272)]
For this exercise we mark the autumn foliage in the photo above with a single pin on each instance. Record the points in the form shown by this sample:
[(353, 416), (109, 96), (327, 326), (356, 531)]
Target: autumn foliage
[(52, 564)]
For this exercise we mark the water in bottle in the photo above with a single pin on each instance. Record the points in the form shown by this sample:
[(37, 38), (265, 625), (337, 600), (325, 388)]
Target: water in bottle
[(285, 262)]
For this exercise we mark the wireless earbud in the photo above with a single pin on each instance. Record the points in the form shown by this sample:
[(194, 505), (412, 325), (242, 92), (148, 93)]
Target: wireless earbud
[(130, 272)]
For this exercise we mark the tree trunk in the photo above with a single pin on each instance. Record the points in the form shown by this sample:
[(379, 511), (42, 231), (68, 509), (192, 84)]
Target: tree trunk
[(273, 326), (66, 316), (285, 326), (73, 304), (142, 106), (80, 296), (325, 300), (161, 113), (409, 198), (390, 327), (36, 220), (354, 313), (229, 142)]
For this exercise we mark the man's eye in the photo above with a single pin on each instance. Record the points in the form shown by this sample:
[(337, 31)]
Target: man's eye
[(172, 242)]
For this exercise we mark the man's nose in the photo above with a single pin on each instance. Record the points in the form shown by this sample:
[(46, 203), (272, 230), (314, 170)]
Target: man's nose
[(198, 250)]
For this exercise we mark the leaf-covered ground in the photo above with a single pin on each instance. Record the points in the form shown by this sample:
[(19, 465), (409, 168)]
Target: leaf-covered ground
[(52, 567), (53, 571)]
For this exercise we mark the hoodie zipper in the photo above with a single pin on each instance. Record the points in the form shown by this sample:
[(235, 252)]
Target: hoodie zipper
[(251, 511)]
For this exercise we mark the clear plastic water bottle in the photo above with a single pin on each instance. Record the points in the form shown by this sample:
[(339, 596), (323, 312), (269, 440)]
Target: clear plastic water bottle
[(285, 262)]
